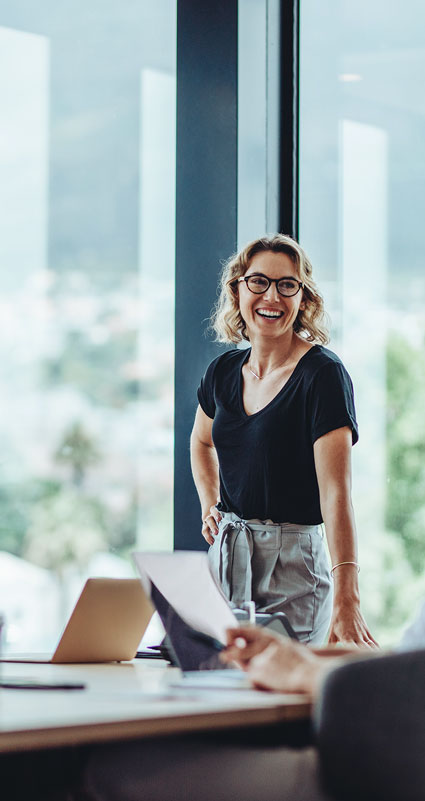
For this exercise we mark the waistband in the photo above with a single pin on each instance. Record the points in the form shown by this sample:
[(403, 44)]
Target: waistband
[(268, 525)]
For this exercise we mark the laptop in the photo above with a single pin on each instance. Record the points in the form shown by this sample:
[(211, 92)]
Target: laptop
[(108, 621), (195, 652)]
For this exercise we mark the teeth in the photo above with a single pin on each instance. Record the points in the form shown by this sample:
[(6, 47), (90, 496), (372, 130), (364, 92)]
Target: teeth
[(269, 313)]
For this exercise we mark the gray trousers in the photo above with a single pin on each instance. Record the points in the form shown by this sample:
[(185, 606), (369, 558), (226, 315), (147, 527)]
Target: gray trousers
[(282, 567)]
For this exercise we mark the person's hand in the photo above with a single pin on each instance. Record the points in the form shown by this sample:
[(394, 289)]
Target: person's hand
[(273, 662), (348, 627), (287, 667), (245, 642), (210, 525)]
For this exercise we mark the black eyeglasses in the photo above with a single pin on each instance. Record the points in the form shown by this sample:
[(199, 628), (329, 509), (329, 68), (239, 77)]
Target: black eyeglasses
[(259, 283)]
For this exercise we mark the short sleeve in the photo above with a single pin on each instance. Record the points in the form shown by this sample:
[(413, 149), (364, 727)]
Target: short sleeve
[(332, 401), (206, 391)]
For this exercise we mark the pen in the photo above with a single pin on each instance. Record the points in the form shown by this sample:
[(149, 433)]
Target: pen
[(34, 684)]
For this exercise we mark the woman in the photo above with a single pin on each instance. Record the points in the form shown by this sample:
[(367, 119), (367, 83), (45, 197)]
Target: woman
[(271, 448)]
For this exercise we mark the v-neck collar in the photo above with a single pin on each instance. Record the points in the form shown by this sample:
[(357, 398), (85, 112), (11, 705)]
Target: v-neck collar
[(279, 393)]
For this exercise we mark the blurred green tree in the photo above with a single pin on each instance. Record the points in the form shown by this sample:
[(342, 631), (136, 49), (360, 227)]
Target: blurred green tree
[(65, 529), (13, 519), (405, 501), (78, 450)]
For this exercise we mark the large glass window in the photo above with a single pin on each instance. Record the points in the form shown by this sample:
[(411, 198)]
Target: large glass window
[(362, 195), (87, 185), (258, 118)]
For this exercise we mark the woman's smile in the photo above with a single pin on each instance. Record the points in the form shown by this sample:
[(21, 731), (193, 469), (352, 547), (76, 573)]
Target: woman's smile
[(270, 314)]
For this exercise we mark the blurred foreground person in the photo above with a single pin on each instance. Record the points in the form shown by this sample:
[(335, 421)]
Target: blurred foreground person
[(368, 742)]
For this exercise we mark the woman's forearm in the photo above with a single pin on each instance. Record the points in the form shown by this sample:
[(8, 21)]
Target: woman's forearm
[(341, 535), (332, 454), (205, 473), (347, 624)]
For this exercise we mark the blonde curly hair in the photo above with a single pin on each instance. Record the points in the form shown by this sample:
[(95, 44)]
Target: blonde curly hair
[(226, 319)]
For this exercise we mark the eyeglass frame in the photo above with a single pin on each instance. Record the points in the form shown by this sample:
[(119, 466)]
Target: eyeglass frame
[(271, 281)]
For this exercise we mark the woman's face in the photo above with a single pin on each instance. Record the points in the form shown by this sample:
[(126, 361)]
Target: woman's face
[(269, 314)]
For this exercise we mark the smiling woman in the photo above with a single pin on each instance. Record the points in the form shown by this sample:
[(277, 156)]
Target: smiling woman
[(271, 448)]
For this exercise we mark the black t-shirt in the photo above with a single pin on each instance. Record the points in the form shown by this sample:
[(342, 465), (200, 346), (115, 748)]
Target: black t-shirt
[(266, 459)]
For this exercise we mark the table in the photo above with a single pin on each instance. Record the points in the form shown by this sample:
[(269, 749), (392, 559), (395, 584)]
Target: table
[(127, 700)]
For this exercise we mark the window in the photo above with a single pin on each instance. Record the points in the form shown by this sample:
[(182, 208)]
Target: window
[(87, 187), (258, 118), (362, 194)]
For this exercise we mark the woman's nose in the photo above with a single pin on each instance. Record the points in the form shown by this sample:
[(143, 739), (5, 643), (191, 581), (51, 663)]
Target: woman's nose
[(271, 293)]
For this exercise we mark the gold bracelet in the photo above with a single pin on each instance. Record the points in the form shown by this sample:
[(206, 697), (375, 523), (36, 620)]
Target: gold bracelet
[(345, 563)]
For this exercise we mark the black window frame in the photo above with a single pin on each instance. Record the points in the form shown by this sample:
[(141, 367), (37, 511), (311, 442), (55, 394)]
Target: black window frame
[(206, 201)]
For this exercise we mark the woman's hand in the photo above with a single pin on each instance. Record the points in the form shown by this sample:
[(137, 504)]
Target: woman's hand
[(349, 627), (210, 525), (273, 662)]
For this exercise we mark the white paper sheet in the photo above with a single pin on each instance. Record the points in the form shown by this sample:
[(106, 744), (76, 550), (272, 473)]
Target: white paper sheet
[(185, 580)]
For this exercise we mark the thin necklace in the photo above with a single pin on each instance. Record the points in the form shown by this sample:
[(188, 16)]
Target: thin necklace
[(259, 377), (255, 374)]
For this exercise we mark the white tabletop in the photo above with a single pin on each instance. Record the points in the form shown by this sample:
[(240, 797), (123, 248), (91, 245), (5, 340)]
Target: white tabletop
[(132, 699)]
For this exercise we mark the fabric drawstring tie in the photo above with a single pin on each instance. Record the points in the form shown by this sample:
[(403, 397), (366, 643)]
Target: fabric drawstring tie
[(236, 546)]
